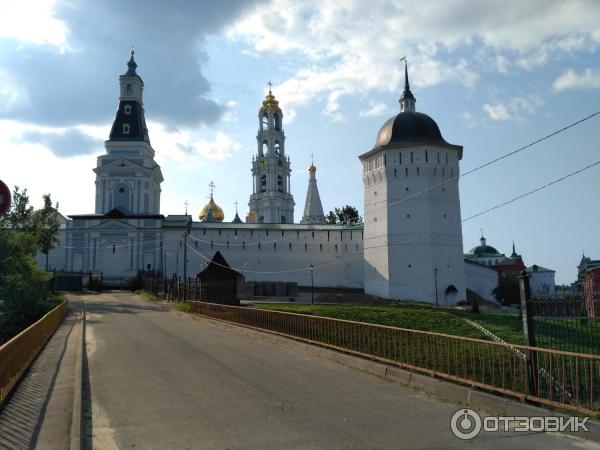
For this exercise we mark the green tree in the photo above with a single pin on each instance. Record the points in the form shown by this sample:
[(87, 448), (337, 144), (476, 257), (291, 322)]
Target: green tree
[(19, 215), (45, 226), (347, 215)]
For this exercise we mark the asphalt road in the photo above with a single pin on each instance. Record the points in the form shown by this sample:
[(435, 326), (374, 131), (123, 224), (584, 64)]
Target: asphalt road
[(161, 380)]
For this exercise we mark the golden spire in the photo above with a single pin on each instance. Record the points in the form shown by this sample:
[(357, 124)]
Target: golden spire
[(312, 168), (269, 101)]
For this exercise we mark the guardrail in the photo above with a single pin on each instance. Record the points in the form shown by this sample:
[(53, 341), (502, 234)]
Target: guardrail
[(561, 379), (19, 352)]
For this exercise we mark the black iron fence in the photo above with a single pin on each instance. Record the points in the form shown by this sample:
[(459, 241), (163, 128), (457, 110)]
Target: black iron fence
[(174, 288), (566, 322)]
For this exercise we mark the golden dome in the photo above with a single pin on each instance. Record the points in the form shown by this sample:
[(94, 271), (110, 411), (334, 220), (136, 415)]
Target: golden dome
[(269, 102), (312, 168), (215, 210)]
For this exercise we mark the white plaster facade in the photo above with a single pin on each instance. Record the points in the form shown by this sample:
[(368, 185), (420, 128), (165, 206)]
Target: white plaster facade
[(481, 279), (542, 281)]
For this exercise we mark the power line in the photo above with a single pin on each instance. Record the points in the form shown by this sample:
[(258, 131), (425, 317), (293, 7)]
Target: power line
[(493, 161), (493, 208)]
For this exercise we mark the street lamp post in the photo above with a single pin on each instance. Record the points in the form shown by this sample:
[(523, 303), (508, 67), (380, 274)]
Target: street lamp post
[(436, 288), (312, 285)]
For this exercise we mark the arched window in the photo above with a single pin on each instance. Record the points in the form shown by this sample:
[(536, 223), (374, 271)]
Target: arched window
[(283, 219), (263, 183), (121, 197), (265, 147), (276, 121), (127, 109), (280, 184), (277, 149), (126, 128), (264, 122), (128, 89), (261, 219)]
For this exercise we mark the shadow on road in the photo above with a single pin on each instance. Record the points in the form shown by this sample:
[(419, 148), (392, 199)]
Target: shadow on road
[(22, 417)]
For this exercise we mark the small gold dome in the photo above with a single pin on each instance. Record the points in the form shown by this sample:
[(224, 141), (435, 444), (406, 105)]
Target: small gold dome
[(269, 102), (215, 210), (312, 168)]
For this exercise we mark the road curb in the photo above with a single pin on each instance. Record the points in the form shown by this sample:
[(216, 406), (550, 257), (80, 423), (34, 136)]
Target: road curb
[(76, 420), (441, 389)]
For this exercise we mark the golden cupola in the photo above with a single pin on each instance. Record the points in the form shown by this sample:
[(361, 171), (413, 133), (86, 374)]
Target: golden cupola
[(216, 213), (269, 102)]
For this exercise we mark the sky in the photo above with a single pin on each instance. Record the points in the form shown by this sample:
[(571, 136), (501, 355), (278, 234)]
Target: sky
[(495, 75)]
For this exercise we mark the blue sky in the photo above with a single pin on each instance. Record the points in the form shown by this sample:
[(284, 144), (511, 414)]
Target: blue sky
[(495, 75)]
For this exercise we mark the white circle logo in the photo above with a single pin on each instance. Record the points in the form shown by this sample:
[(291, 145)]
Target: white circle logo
[(465, 424)]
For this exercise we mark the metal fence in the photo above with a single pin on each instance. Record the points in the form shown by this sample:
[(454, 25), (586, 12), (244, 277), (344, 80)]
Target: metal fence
[(561, 379), (171, 289), (19, 352), (570, 323)]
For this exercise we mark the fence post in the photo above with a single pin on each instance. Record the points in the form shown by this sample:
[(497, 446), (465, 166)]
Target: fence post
[(528, 332)]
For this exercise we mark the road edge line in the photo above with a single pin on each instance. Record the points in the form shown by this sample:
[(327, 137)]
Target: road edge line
[(77, 415)]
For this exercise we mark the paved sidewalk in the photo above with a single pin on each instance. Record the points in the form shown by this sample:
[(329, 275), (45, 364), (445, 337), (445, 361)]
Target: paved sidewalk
[(40, 412)]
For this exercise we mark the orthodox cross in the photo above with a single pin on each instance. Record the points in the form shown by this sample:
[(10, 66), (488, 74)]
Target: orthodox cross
[(312, 159), (270, 86), (211, 185), (186, 203), (236, 206)]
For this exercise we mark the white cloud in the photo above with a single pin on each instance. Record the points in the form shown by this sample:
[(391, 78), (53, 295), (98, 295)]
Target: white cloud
[(498, 111), (515, 108), (32, 21), (588, 79), (376, 110), (343, 53)]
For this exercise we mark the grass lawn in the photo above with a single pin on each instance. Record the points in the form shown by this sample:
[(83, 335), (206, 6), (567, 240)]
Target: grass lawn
[(417, 317)]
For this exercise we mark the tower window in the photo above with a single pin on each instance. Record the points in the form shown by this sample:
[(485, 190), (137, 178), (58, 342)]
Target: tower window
[(127, 109), (280, 183), (400, 158), (263, 183), (126, 128), (128, 89), (277, 148), (426, 156), (283, 219), (114, 248), (265, 122), (411, 157), (276, 121), (265, 147), (438, 157)]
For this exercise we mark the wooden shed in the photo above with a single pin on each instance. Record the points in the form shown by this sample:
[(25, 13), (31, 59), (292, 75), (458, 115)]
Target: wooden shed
[(219, 282)]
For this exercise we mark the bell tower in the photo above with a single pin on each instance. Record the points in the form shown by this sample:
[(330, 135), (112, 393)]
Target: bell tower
[(271, 200), (127, 176)]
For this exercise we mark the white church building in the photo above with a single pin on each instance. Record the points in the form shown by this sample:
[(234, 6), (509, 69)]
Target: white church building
[(409, 247)]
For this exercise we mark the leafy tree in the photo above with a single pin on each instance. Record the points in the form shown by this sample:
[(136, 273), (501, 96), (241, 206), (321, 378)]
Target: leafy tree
[(347, 215), (23, 286), (19, 215), (45, 225)]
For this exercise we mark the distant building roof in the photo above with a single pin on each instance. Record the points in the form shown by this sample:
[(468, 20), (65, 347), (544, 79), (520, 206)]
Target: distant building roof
[(536, 268)]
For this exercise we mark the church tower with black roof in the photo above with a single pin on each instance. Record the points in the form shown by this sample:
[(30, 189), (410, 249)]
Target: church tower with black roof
[(127, 176)]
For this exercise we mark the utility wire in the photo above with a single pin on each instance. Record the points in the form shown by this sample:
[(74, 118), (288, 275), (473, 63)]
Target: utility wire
[(493, 161)]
